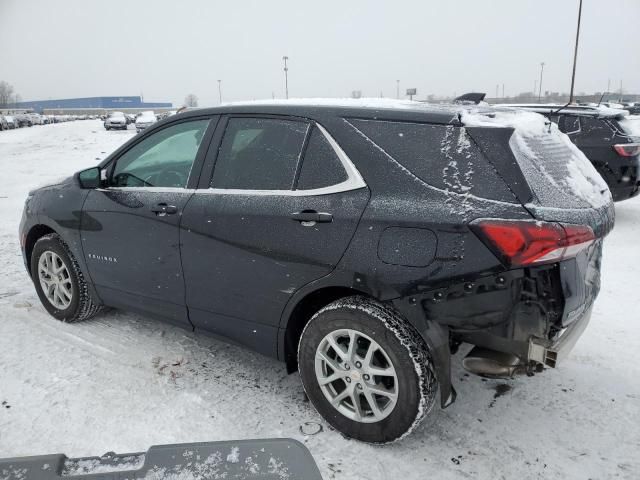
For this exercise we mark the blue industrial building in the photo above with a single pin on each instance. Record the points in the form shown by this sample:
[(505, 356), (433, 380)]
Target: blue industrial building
[(109, 103)]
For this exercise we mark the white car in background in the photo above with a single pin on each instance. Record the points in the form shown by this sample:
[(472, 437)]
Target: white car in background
[(12, 122), (144, 120), (36, 119), (116, 120)]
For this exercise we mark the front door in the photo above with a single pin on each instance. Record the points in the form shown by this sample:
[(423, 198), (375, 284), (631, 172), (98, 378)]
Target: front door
[(279, 212), (130, 233)]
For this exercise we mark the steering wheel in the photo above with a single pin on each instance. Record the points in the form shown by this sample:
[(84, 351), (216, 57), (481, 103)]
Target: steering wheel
[(122, 179)]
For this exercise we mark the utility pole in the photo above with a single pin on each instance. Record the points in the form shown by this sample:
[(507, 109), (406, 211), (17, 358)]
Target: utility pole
[(535, 87), (503, 90), (575, 53), (398, 89), (540, 85), (497, 87), (286, 77), (220, 91)]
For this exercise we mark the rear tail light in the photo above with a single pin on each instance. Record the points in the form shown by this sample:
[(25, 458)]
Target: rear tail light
[(627, 149), (522, 242)]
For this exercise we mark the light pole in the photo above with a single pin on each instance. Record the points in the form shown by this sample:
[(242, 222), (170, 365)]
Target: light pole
[(540, 84), (398, 89), (575, 53), (286, 77), (220, 91)]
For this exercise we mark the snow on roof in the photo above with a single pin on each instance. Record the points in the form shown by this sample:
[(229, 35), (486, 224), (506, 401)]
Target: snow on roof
[(598, 110), (373, 103), (335, 102)]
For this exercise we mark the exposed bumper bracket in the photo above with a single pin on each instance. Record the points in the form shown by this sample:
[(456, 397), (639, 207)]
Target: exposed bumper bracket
[(551, 355)]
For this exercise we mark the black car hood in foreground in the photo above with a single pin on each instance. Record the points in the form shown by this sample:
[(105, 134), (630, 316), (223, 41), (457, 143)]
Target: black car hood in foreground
[(232, 460)]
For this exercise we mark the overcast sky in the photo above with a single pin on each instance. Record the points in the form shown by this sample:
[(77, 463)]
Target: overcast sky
[(167, 49)]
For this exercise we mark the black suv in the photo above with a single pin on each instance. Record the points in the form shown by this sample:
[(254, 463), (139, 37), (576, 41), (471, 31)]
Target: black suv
[(609, 137), (359, 243)]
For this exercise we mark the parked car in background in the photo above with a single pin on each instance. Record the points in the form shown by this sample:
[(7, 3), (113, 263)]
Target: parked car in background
[(4, 125), (632, 107), (145, 120), (24, 119), (36, 119), (116, 121), (609, 137), (12, 121), (359, 242)]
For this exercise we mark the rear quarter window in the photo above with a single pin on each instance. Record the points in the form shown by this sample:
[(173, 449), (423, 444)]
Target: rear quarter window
[(321, 166), (443, 156)]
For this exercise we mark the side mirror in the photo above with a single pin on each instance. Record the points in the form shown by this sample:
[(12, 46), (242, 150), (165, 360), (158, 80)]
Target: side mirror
[(91, 177)]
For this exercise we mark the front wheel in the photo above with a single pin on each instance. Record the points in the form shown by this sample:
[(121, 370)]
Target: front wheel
[(366, 370), (59, 281)]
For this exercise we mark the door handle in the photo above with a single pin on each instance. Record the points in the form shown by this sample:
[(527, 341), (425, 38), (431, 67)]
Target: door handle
[(162, 209), (312, 216)]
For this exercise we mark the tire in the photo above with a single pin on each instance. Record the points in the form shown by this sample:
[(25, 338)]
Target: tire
[(81, 305), (396, 344)]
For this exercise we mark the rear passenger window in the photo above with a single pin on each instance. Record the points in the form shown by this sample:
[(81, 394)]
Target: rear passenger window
[(321, 166), (259, 154)]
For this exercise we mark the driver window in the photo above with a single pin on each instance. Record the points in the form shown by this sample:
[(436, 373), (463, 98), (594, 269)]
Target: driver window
[(163, 159)]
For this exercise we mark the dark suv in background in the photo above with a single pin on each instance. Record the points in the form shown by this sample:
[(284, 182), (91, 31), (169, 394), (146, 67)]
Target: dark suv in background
[(361, 243), (610, 138)]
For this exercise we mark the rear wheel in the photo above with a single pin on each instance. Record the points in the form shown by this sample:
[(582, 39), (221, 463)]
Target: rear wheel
[(59, 281), (366, 370)]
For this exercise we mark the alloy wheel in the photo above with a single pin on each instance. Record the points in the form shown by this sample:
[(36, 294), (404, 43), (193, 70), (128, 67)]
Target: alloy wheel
[(55, 280), (356, 376)]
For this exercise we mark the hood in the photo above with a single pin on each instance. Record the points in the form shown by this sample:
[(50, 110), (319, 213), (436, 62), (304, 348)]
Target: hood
[(51, 183)]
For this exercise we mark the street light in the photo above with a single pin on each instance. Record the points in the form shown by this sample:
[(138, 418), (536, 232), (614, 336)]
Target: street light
[(398, 89), (575, 54), (220, 91), (540, 84), (286, 77)]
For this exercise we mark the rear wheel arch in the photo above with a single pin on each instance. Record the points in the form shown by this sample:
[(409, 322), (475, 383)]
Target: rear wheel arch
[(302, 312)]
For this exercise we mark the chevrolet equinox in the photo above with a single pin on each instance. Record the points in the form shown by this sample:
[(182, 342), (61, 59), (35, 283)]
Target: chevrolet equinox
[(362, 243)]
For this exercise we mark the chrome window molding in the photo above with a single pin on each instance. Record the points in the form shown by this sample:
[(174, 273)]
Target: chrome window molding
[(354, 180), (148, 189)]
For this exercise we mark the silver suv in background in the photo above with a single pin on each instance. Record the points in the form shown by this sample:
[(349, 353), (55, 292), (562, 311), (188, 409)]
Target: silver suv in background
[(116, 120), (144, 120)]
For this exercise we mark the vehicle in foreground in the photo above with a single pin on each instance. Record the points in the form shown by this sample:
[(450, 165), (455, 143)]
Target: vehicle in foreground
[(359, 242), (116, 121), (145, 120), (281, 458), (609, 137)]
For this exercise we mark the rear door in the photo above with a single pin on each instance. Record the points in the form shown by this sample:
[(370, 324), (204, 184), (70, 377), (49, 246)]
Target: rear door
[(278, 212), (130, 234)]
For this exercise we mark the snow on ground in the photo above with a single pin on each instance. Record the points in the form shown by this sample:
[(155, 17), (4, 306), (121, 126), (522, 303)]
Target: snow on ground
[(122, 382)]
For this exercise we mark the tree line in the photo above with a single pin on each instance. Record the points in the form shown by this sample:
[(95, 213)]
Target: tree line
[(8, 95)]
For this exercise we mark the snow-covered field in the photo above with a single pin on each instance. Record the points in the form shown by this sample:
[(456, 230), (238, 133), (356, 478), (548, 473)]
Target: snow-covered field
[(122, 382)]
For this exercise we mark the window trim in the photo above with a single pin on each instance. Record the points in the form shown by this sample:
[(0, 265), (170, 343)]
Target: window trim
[(354, 180)]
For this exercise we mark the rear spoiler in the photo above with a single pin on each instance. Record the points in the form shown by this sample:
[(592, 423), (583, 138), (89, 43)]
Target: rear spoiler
[(471, 97)]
